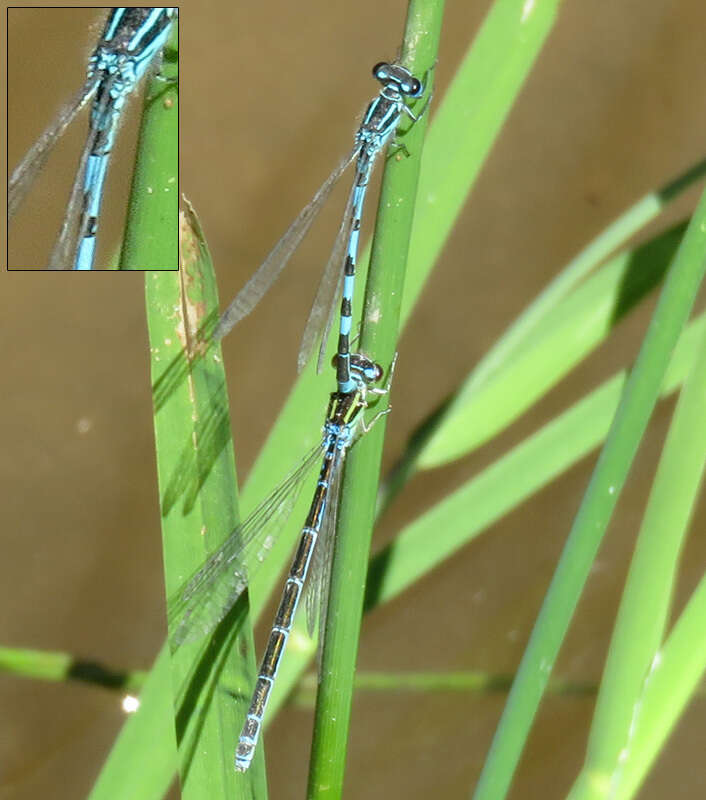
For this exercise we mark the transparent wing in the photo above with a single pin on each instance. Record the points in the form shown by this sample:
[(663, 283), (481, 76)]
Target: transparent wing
[(204, 599), (328, 545), (270, 269), (316, 587), (26, 171), (323, 309), (326, 332), (63, 254)]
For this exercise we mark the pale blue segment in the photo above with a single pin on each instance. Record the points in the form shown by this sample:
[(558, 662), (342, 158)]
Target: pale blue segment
[(113, 23), (85, 253), (348, 283)]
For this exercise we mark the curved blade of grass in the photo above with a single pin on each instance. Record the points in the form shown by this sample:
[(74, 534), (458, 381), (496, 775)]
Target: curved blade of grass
[(510, 480), (561, 339), (197, 489), (494, 368), (615, 235), (378, 338), (642, 617), (152, 226), (467, 123), (639, 397), (674, 678)]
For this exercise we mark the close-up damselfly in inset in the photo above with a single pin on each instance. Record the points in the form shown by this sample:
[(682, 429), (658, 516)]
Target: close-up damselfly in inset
[(129, 46)]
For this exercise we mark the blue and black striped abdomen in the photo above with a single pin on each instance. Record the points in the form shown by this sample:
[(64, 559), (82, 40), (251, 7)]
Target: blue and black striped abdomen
[(134, 31)]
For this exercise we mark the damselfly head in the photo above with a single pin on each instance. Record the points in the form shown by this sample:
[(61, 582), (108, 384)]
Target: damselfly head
[(401, 77), (365, 369)]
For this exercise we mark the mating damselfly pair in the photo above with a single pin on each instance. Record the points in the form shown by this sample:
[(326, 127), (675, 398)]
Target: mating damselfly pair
[(129, 45), (211, 592)]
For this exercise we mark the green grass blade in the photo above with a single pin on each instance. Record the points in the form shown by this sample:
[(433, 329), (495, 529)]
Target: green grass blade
[(467, 123), (564, 336), (49, 665), (674, 678), (476, 398), (146, 741), (615, 235), (198, 485), (152, 226), (467, 682), (642, 618), (631, 418), (356, 512), (509, 481)]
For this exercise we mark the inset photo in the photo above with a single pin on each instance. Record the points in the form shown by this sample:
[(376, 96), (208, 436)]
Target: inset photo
[(93, 138)]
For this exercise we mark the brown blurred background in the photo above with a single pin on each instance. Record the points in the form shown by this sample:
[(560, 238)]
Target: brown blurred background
[(269, 99)]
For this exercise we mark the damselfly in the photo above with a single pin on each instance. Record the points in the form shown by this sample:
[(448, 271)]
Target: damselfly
[(379, 123), (131, 40), (208, 596)]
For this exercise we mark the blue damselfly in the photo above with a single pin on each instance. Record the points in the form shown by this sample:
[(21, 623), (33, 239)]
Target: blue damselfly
[(379, 124), (209, 595), (131, 41)]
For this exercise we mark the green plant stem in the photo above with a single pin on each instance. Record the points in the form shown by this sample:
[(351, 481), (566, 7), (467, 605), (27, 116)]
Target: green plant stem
[(304, 693), (54, 666), (152, 226), (631, 418), (378, 337), (672, 681)]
